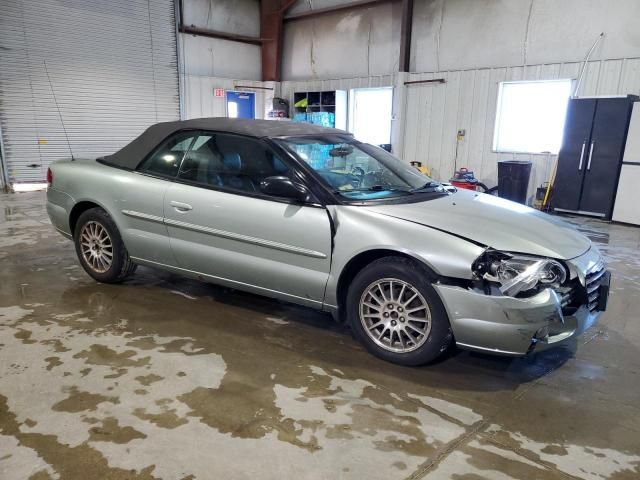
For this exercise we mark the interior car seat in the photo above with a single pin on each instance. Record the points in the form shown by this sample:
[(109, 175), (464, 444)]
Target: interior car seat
[(232, 175)]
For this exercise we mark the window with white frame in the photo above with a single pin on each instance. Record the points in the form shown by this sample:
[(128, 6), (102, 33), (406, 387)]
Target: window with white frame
[(370, 113), (530, 116)]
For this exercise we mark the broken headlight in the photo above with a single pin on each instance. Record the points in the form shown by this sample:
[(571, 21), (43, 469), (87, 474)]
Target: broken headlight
[(519, 273)]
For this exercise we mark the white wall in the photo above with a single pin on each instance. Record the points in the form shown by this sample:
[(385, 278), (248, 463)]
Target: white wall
[(199, 99), (209, 63), (214, 57), (433, 114), (428, 116), (233, 16), (457, 35), (466, 34), (361, 42)]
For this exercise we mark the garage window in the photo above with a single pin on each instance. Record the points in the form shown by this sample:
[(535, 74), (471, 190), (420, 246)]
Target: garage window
[(530, 116)]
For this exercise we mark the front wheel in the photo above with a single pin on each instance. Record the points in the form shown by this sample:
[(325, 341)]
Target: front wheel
[(100, 248), (396, 313)]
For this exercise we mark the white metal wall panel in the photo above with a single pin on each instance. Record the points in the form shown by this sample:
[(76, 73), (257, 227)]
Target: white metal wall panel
[(214, 57), (112, 66), (199, 99), (433, 113), (430, 115)]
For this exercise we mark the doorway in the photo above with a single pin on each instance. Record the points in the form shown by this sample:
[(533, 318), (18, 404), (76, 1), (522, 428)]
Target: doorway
[(241, 104), (370, 111)]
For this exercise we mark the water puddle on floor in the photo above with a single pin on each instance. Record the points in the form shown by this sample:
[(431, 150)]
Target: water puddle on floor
[(173, 379)]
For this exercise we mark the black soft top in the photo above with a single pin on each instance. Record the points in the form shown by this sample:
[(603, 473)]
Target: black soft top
[(130, 155)]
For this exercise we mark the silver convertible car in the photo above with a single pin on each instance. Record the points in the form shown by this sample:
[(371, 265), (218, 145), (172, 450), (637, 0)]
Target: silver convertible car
[(310, 215)]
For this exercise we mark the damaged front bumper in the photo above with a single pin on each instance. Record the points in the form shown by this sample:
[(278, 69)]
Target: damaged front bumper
[(511, 326)]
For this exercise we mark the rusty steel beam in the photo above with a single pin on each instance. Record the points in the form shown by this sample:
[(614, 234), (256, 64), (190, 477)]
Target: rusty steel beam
[(433, 80), (405, 36), (271, 31), (203, 32), (338, 8)]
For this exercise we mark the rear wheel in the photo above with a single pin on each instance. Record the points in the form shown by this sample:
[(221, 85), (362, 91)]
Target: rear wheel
[(396, 313), (100, 248)]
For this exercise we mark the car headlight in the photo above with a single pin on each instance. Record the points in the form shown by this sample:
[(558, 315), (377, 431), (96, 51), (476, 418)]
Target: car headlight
[(519, 273)]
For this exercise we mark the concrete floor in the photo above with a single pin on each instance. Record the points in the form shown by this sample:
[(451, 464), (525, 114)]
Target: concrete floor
[(164, 377)]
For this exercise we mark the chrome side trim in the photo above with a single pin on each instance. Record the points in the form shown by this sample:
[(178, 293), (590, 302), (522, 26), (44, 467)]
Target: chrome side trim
[(64, 234), (228, 235), (240, 285), (143, 216), (489, 350), (582, 212), (244, 238)]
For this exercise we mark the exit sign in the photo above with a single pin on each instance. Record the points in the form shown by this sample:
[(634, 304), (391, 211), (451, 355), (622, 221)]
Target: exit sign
[(218, 92)]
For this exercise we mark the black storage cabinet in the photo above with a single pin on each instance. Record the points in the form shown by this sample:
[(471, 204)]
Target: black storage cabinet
[(590, 159)]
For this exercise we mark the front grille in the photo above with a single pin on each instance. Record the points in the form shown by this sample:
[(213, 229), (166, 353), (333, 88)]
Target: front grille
[(592, 285), (574, 294), (566, 297)]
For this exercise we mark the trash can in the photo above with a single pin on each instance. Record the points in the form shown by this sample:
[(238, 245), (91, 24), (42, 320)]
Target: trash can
[(513, 180)]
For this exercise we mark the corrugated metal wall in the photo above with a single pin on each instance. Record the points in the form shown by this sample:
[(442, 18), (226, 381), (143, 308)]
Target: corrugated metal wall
[(199, 99), (287, 88), (112, 66), (434, 113)]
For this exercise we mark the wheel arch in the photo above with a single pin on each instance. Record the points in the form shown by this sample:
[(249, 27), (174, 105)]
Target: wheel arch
[(78, 209), (361, 260)]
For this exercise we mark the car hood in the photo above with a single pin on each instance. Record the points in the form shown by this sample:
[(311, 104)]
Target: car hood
[(494, 222)]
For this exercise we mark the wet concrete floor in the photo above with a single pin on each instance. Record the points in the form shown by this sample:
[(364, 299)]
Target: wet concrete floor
[(163, 377)]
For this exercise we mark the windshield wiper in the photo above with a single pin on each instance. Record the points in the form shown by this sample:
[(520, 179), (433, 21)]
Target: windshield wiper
[(376, 188), (430, 184)]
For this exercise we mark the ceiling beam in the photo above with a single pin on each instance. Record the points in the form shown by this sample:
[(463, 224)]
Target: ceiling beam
[(203, 32), (405, 36)]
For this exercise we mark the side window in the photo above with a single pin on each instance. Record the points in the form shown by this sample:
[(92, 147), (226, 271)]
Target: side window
[(203, 163), (231, 162), (165, 160)]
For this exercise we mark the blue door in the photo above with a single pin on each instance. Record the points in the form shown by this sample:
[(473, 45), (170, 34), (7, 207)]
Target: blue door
[(241, 105)]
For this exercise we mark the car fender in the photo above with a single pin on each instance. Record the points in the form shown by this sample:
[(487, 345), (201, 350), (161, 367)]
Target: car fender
[(84, 180), (358, 230)]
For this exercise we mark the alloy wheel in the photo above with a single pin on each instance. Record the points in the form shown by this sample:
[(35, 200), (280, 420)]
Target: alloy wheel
[(96, 246), (395, 315)]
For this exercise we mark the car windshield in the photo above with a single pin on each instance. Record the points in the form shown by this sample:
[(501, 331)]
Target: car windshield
[(359, 171)]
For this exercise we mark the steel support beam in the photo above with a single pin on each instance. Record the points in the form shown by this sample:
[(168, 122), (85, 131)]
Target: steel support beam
[(405, 36), (338, 8), (271, 31), (203, 32)]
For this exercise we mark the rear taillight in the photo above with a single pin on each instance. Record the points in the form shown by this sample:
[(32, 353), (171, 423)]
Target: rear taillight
[(49, 177)]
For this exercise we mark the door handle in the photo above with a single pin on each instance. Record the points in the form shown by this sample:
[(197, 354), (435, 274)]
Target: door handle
[(590, 156), (181, 207), (584, 145)]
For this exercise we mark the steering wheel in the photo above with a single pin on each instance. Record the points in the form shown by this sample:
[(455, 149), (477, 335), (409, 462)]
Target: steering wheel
[(358, 175)]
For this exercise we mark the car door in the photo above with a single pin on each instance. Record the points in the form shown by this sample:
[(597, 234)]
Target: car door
[(221, 225), (141, 196)]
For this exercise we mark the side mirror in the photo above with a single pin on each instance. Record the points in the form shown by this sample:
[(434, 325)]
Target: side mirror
[(280, 186)]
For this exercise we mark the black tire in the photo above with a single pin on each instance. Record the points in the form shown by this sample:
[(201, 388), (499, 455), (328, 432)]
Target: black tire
[(438, 338), (121, 264)]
